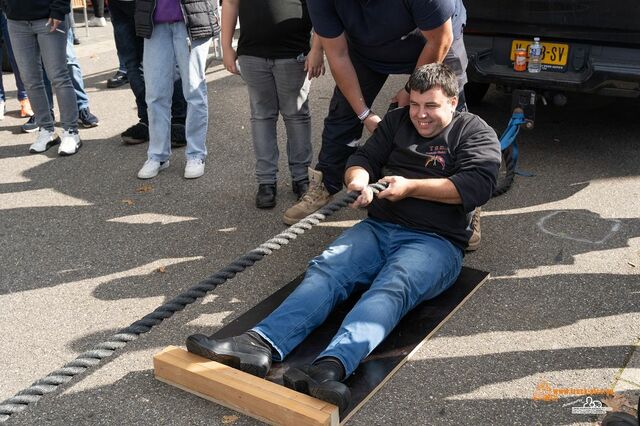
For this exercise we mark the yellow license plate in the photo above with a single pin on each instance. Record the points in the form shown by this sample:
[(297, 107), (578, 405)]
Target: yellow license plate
[(554, 55)]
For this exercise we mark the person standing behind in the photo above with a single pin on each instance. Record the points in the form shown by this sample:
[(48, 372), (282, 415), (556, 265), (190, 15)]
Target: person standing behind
[(365, 42), (277, 64), (25, 106), (39, 36), (130, 48), (177, 33)]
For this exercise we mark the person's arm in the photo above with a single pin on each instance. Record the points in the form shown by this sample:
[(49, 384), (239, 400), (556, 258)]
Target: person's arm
[(229, 21), (441, 190), (439, 41), (344, 74), (314, 64)]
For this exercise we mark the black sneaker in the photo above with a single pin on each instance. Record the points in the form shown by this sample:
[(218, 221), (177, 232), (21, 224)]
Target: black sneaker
[(76, 41), (240, 352), (138, 133), (30, 126), (86, 119), (178, 135), (119, 79)]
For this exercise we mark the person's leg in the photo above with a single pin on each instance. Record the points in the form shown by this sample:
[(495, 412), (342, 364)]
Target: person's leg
[(419, 267), (342, 128), (22, 93), (53, 46), (130, 48), (191, 62), (159, 68), (98, 8), (75, 72), (27, 54), (293, 97), (456, 59), (351, 261), (258, 74)]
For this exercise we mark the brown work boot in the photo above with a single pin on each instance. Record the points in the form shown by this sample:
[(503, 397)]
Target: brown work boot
[(314, 199), (474, 241)]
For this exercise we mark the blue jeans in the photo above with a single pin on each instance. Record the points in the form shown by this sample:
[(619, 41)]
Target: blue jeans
[(396, 266), (342, 128), (278, 86), (34, 46), (130, 49), (166, 49), (22, 93), (82, 99)]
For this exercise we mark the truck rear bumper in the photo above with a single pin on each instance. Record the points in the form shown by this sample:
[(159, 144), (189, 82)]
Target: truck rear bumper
[(591, 68)]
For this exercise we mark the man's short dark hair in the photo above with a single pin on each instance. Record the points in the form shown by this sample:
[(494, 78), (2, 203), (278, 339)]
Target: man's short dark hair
[(429, 76)]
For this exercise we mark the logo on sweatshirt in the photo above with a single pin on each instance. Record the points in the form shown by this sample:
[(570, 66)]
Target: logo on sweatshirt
[(435, 156)]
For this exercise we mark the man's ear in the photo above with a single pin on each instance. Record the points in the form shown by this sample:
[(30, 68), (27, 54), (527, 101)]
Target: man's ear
[(454, 102)]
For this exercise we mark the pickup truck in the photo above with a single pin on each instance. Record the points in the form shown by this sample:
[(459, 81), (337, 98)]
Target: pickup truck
[(589, 46)]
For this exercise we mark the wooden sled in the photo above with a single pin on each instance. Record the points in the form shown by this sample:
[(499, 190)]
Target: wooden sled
[(267, 400)]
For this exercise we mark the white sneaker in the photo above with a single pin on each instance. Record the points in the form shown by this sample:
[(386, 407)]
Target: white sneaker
[(151, 168), (44, 140), (3, 108), (194, 168), (97, 22), (71, 142)]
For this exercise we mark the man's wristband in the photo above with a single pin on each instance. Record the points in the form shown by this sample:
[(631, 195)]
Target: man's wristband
[(364, 114)]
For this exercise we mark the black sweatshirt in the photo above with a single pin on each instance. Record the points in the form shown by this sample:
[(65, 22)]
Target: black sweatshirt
[(467, 152), (31, 10)]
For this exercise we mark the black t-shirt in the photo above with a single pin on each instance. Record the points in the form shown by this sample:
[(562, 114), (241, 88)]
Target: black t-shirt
[(274, 29), (385, 34), (467, 152)]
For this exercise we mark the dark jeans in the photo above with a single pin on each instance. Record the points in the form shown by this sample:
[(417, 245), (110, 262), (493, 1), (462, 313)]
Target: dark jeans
[(98, 8), (342, 128), (22, 93), (130, 48)]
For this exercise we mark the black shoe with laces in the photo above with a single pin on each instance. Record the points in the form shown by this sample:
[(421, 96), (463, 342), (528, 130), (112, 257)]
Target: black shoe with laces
[(245, 352), (119, 79), (266, 195), (138, 133), (322, 380), (87, 119), (178, 135)]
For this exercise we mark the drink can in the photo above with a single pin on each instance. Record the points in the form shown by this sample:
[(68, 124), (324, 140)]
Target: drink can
[(520, 60)]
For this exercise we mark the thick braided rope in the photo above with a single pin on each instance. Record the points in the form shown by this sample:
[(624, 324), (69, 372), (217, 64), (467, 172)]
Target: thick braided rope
[(93, 357)]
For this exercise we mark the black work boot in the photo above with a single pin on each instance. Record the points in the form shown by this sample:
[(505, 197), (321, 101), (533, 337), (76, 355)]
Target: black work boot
[(300, 187), (266, 195), (245, 352), (321, 380)]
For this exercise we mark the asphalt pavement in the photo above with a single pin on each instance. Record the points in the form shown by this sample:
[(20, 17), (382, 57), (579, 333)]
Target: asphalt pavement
[(86, 249)]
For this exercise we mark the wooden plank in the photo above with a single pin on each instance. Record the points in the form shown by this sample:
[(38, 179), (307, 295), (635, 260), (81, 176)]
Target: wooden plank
[(250, 395)]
